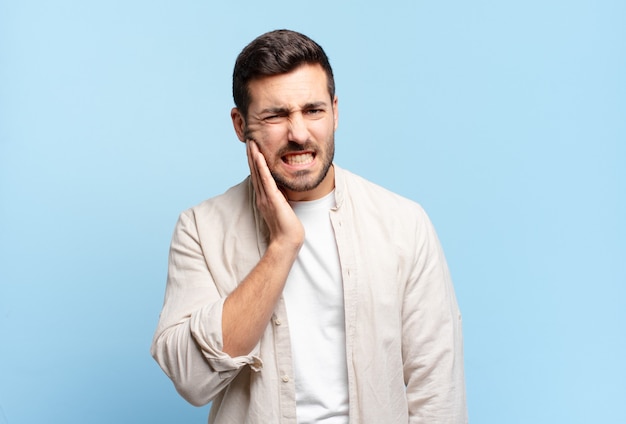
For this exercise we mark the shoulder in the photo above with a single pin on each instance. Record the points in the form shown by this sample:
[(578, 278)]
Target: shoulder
[(236, 195), (380, 217), (363, 193), (221, 208)]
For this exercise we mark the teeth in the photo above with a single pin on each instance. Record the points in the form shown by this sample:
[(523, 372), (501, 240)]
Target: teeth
[(298, 159)]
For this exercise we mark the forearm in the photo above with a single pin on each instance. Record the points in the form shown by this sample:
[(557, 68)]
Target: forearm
[(248, 309), (188, 343)]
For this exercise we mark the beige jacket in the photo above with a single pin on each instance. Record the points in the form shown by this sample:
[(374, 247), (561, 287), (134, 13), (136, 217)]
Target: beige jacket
[(403, 325)]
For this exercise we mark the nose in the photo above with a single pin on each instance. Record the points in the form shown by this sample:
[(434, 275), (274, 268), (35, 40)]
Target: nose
[(298, 130)]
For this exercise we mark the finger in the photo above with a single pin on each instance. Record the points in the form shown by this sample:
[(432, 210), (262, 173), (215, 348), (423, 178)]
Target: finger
[(252, 164), (265, 176)]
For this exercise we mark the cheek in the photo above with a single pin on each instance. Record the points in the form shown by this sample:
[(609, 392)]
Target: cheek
[(269, 143), (270, 138), (267, 134), (323, 130)]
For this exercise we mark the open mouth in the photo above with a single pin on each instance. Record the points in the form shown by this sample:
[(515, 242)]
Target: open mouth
[(299, 159)]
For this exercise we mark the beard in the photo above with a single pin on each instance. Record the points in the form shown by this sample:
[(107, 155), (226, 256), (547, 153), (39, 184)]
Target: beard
[(305, 180)]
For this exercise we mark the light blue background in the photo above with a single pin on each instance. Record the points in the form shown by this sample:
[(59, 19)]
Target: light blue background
[(505, 120)]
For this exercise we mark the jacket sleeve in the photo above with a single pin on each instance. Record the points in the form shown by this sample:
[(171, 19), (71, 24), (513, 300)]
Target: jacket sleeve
[(188, 342), (432, 345)]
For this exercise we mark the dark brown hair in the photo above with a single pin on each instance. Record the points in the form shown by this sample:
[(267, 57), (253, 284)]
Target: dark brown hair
[(274, 53)]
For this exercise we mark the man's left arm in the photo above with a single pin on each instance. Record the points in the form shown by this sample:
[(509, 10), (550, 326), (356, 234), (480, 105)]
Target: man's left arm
[(432, 343)]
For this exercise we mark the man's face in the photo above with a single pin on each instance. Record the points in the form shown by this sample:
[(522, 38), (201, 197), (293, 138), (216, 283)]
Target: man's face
[(293, 120)]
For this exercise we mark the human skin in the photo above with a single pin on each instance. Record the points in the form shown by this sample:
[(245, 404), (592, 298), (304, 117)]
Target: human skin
[(289, 136), (293, 119)]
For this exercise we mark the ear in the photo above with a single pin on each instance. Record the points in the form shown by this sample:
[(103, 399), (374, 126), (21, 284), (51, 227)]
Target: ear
[(239, 123), (336, 112)]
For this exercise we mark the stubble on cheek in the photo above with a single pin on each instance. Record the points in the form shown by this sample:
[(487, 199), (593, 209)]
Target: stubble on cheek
[(247, 134)]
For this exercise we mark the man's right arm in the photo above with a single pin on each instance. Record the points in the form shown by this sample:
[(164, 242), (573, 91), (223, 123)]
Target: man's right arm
[(248, 309), (188, 341), (203, 351)]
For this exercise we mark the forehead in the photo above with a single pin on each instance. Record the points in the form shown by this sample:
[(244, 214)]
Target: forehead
[(305, 84)]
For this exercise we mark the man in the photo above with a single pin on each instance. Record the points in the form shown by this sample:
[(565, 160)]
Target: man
[(307, 294)]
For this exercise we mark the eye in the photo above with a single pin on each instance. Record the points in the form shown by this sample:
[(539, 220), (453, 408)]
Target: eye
[(273, 118), (313, 112)]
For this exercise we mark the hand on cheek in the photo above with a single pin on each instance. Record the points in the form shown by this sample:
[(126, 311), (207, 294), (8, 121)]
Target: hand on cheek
[(283, 224)]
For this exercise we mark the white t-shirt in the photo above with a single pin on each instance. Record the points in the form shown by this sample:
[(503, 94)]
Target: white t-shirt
[(315, 312)]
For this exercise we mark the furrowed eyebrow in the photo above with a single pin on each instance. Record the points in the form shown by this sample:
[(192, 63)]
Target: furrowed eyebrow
[(274, 110), (283, 110), (314, 105)]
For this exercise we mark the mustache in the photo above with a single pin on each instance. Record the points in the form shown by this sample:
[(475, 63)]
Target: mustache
[(293, 147)]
